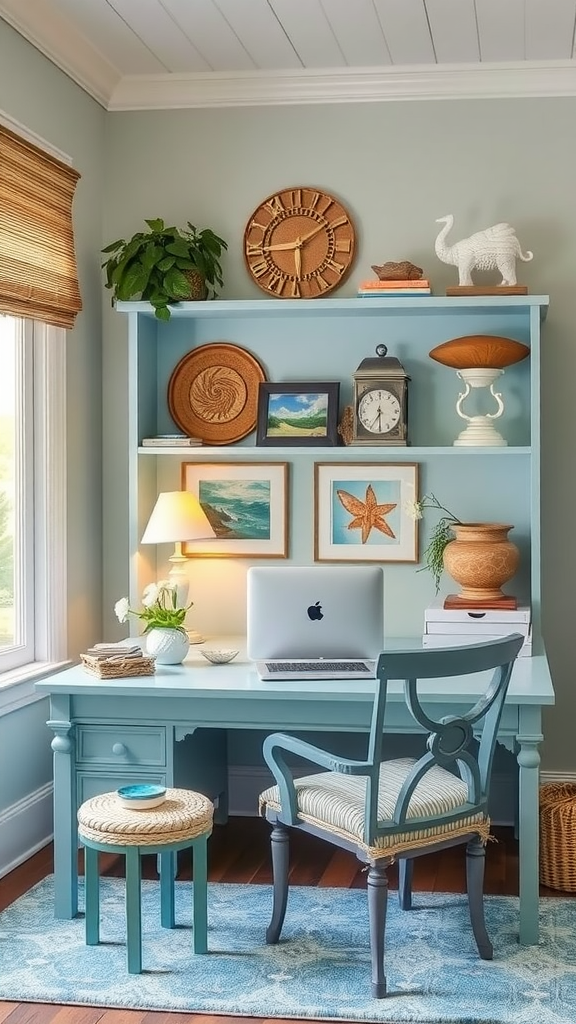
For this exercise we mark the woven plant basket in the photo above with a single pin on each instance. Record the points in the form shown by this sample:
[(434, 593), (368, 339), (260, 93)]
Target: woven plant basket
[(118, 668), (558, 835), (197, 282)]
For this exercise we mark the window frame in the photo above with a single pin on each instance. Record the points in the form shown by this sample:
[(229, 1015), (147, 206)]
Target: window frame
[(49, 526)]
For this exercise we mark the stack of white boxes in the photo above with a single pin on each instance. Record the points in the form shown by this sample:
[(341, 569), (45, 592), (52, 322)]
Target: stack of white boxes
[(450, 627)]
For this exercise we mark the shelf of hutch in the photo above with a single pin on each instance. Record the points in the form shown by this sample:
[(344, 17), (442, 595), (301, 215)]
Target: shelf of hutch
[(255, 452)]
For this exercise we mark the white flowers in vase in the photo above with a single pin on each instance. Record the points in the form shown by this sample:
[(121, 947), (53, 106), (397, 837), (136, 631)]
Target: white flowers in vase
[(159, 607)]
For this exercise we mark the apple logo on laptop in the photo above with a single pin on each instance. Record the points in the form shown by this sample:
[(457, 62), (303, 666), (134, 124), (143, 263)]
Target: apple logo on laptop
[(315, 611)]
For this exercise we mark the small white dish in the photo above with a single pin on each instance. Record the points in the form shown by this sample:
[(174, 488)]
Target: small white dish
[(219, 657), (142, 796)]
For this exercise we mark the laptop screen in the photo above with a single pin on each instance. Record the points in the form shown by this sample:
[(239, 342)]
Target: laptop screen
[(315, 612)]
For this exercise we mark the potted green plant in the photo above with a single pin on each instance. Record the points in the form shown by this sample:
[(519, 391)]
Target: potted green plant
[(165, 265)]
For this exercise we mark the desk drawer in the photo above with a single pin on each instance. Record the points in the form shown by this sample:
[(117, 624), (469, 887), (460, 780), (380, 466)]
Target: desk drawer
[(89, 784), (120, 745)]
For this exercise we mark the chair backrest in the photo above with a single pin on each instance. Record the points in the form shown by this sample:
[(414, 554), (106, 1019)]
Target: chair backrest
[(451, 742)]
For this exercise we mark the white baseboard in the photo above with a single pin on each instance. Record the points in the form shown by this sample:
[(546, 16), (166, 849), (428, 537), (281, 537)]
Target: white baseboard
[(25, 827)]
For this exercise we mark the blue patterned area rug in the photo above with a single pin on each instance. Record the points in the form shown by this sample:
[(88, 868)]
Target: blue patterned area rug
[(320, 969)]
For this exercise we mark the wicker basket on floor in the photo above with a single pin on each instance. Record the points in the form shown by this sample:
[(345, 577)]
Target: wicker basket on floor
[(558, 835), (118, 667)]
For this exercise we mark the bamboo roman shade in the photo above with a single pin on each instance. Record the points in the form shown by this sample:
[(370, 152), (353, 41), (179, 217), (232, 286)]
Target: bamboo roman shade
[(38, 274)]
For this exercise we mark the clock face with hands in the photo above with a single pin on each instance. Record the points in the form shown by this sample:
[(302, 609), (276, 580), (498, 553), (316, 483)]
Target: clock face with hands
[(299, 243), (379, 411)]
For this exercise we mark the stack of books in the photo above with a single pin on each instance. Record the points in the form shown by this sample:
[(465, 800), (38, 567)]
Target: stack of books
[(170, 440), (122, 649), (376, 287)]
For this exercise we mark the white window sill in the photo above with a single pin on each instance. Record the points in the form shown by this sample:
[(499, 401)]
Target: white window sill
[(17, 687)]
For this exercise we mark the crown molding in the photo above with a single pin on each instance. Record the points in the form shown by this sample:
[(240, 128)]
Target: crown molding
[(348, 85), (42, 25)]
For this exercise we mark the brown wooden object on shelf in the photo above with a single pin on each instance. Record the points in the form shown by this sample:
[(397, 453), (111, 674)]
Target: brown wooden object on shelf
[(397, 271), (454, 602), (474, 350), (213, 392)]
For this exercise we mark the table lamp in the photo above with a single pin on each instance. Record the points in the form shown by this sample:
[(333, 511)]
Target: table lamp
[(176, 517)]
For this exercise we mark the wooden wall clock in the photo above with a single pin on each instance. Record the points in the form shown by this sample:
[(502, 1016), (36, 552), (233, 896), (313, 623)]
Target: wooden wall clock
[(299, 243)]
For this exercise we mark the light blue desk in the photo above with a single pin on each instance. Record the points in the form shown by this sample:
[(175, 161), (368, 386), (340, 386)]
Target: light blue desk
[(107, 733)]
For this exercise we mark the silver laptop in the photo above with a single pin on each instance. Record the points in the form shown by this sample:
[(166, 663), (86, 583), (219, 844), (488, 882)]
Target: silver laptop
[(315, 622)]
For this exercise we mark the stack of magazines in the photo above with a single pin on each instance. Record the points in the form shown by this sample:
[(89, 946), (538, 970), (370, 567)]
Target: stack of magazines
[(123, 649), (408, 289), (170, 440)]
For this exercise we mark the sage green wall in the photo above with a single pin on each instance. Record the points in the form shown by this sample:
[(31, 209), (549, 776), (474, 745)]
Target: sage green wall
[(397, 166), (44, 100)]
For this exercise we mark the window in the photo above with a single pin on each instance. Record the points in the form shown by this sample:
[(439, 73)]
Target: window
[(16, 494), (39, 297), (32, 501)]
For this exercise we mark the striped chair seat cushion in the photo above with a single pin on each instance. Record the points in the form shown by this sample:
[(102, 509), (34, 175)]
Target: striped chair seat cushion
[(335, 803)]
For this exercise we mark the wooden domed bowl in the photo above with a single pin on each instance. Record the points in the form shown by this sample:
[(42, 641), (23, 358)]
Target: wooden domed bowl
[(475, 350)]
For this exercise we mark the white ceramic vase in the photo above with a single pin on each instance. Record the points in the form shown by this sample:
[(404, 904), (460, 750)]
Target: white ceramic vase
[(168, 646)]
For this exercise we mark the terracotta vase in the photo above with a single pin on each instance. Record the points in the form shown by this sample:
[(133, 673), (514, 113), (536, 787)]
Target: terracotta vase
[(481, 559)]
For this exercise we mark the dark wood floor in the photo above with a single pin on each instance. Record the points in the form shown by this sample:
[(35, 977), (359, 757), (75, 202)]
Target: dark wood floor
[(239, 853)]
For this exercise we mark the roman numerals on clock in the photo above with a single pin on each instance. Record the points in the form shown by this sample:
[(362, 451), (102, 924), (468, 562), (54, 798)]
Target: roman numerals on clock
[(299, 243)]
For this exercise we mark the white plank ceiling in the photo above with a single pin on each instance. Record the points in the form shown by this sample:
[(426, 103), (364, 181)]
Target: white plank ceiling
[(159, 53)]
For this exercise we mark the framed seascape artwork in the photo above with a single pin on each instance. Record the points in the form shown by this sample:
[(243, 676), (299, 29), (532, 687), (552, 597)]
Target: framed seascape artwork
[(298, 413), (246, 504), (361, 512)]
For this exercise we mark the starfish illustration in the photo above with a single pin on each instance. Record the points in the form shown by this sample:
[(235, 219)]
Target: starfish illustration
[(368, 514)]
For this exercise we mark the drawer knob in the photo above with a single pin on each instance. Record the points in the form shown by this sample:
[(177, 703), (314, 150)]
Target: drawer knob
[(119, 749)]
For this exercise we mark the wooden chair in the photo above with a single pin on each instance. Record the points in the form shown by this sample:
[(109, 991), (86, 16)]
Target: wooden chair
[(386, 810)]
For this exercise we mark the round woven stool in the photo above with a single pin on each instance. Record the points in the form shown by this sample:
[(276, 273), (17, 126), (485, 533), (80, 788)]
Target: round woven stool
[(183, 820)]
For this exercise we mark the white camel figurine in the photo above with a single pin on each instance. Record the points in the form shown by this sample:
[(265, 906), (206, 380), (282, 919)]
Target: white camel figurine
[(496, 248)]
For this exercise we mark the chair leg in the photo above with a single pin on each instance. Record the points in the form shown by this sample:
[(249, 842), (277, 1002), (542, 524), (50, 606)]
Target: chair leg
[(475, 859), (279, 846), (377, 901), (133, 910), (200, 895), (92, 893), (167, 871), (405, 875)]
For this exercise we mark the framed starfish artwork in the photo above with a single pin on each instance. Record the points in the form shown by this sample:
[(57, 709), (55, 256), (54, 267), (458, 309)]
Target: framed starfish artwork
[(361, 512)]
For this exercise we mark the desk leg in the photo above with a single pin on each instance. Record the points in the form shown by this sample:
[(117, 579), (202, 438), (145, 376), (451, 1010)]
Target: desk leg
[(65, 828), (529, 738)]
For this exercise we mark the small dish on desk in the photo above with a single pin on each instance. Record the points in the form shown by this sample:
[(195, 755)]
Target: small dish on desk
[(142, 796), (219, 657)]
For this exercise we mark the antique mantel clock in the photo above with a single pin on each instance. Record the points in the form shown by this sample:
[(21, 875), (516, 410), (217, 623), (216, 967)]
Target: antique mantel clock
[(380, 411)]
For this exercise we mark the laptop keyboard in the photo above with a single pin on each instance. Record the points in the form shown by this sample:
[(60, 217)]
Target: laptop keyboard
[(317, 666)]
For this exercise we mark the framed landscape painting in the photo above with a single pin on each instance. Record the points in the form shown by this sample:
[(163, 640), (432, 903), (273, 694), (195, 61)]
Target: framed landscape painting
[(298, 413), (246, 504), (360, 512)]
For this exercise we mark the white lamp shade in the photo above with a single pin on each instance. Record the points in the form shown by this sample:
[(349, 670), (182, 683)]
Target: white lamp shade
[(177, 516)]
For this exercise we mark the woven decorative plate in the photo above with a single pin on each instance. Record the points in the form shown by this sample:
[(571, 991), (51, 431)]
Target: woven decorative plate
[(213, 392)]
